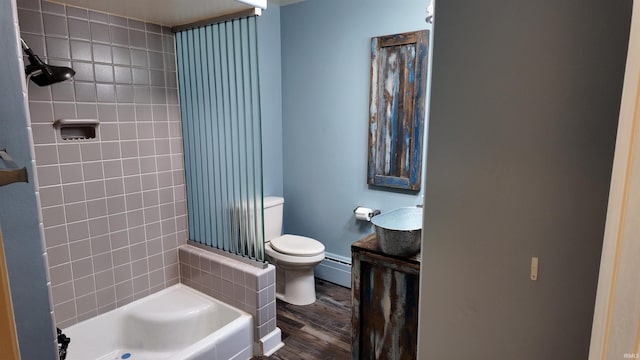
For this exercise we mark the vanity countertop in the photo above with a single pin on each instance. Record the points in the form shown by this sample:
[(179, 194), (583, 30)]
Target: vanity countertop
[(370, 243)]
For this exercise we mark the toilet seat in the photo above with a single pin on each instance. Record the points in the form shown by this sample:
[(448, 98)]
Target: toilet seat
[(291, 261), (297, 245)]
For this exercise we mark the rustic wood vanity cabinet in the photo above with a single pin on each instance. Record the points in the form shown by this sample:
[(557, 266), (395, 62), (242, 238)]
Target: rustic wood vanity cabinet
[(385, 302)]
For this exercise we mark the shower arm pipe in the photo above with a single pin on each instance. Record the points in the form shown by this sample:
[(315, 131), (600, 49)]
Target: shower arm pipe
[(29, 52), (32, 57), (24, 45)]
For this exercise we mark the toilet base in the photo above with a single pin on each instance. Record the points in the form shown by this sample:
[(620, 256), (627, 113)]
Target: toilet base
[(295, 286)]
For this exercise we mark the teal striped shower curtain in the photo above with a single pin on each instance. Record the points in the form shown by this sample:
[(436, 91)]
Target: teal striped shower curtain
[(220, 109)]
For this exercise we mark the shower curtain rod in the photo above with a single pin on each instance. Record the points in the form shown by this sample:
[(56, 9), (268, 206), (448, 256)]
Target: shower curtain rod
[(218, 19)]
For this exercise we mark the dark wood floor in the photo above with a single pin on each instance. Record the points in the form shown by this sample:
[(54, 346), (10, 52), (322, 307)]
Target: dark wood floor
[(318, 331)]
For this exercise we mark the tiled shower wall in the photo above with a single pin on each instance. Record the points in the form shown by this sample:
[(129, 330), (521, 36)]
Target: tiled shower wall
[(113, 208)]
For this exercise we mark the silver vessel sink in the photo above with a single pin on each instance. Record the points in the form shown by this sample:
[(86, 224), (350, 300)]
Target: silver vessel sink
[(399, 231)]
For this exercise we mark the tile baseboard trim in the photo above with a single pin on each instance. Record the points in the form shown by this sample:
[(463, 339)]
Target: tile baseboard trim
[(271, 343)]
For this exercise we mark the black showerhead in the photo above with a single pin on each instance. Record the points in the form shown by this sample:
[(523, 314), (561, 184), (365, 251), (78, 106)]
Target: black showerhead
[(43, 74)]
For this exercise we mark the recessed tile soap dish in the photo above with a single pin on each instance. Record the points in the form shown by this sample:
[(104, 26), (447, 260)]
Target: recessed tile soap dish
[(76, 129)]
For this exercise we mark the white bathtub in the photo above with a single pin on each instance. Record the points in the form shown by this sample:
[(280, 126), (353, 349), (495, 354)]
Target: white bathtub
[(176, 323)]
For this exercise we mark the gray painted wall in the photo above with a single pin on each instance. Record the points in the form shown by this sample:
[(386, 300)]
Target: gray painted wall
[(18, 207), (525, 102), (271, 98), (325, 92)]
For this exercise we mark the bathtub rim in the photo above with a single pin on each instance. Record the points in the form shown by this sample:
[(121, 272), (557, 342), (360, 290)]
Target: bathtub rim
[(197, 346)]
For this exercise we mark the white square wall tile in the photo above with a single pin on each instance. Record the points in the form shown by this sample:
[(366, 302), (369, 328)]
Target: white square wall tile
[(239, 274), (263, 297), (262, 280), (48, 175), (71, 173), (239, 293)]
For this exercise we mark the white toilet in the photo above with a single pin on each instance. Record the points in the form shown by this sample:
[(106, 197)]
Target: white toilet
[(293, 256)]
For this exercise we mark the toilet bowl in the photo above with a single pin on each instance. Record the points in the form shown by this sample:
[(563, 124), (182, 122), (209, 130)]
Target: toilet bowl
[(295, 282), (293, 256)]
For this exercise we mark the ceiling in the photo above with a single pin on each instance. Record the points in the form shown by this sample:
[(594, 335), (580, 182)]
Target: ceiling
[(172, 12), (284, 2)]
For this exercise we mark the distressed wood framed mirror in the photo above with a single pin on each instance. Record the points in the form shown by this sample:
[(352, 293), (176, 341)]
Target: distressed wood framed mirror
[(397, 109)]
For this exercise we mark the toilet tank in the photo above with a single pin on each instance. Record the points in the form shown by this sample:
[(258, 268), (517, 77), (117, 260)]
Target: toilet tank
[(273, 206)]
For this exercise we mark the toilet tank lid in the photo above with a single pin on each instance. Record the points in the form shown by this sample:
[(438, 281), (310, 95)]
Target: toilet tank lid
[(297, 245), (270, 201)]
